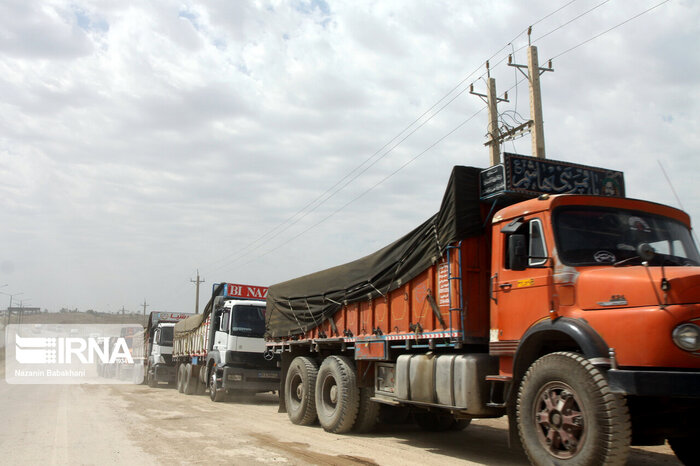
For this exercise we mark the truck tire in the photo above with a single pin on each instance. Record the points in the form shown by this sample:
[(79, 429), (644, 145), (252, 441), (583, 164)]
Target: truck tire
[(433, 422), (181, 378), (568, 415), (367, 413), (337, 395), (189, 384), (685, 449), (216, 394), (299, 391)]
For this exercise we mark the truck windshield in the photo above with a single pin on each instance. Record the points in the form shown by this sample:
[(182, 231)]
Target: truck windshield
[(166, 336), (248, 321), (596, 235)]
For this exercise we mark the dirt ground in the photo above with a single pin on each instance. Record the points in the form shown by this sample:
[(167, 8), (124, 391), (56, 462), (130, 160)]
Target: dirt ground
[(126, 424)]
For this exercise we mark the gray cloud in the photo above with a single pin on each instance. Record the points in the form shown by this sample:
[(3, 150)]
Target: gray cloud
[(138, 143)]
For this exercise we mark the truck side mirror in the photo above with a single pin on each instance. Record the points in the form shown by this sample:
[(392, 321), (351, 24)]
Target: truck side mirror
[(517, 252)]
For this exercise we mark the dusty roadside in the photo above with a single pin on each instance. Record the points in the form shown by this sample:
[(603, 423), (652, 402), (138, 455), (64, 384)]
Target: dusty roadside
[(126, 424), (182, 429)]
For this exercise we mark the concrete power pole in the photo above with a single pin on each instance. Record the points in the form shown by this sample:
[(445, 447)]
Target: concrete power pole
[(494, 132), (144, 306), (197, 282), (534, 71)]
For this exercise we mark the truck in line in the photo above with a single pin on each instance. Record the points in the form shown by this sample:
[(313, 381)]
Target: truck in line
[(156, 353), (222, 350), (538, 291)]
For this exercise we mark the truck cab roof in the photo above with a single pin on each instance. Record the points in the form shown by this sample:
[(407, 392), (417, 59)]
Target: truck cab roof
[(229, 303), (550, 202)]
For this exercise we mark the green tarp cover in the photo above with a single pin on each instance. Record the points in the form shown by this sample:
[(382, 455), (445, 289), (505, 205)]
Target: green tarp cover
[(192, 323), (295, 306)]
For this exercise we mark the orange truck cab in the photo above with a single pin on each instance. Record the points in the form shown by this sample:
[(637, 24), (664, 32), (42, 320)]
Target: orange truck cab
[(577, 315)]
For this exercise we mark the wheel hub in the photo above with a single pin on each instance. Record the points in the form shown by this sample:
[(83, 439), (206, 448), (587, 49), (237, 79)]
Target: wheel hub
[(559, 420), (299, 391), (333, 394)]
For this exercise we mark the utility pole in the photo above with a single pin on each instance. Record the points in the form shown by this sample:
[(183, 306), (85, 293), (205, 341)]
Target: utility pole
[(534, 71), (197, 282), (494, 132), (144, 306)]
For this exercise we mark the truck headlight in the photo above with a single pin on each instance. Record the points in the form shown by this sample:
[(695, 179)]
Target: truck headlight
[(687, 337)]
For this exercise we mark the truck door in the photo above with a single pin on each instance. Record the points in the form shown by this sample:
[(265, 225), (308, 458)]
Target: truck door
[(521, 289), (221, 335)]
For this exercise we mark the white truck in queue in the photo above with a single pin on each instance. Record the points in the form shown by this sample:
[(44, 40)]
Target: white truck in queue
[(158, 347), (222, 350)]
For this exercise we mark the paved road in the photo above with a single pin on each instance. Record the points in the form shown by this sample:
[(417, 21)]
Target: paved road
[(126, 424)]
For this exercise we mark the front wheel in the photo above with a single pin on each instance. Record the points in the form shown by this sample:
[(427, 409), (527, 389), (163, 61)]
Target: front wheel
[(568, 415), (215, 394)]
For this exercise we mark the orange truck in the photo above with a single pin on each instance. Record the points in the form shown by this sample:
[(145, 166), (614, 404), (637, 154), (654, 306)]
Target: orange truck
[(538, 291)]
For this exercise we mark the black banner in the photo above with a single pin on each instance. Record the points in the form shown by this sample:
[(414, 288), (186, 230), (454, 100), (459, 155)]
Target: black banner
[(530, 175), (492, 181)]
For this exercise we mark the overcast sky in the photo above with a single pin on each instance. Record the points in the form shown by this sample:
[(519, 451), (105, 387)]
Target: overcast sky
[(140, 141)]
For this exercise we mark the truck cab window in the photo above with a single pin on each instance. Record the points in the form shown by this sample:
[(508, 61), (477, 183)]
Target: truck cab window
[(248, 321), (165, 336), (533, 234), (537, 246)]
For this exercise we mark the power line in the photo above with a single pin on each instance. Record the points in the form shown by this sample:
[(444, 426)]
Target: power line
[(375, 185), (471, 117), (331, 192), (571, 21), (275, 232), (610, 29)]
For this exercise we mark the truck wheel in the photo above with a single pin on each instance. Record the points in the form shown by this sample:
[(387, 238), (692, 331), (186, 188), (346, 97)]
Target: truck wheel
[(188, 382), (367, 413), (181, 378), (337, 395), (216, 394), (299, 387), (433, 422), (685, 449), (567, 414)]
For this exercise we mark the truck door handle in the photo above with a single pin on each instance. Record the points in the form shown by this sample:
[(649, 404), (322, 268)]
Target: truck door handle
[(505, 285)]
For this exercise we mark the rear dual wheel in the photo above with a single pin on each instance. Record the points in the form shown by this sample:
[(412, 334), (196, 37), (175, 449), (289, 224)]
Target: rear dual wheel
[(329, 394), (181, 378), (299, 388), (367, 412), (337, 394)]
